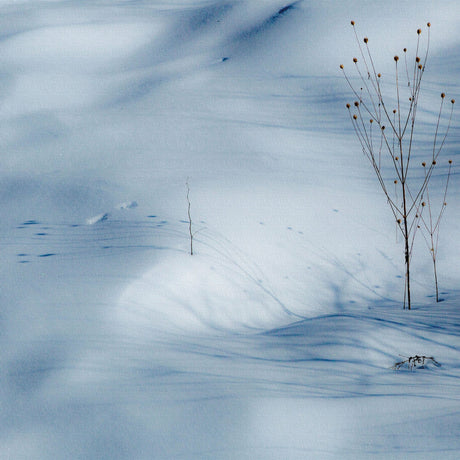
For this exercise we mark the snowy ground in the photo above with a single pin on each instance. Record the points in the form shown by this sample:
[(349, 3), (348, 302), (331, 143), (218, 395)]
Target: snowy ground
[(276, 339)]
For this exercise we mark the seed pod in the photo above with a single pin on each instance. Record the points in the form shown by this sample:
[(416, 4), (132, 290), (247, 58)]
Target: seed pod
[(397, 158), (383, 127), (355, 117), (450, 162), (356, 104), (417, 59), (405, 50), (396, 58), (419, 31), (395, 181), (348, 106), (371, 121), (366, 40), (423, 203), (399, 221), (355, 60), (420, 67), (428, 24), (445, 204), (341, 66), (379, 75), (423, 164), (352, 23), (394, 110), (443, 95), (433, 162), (453, 101)]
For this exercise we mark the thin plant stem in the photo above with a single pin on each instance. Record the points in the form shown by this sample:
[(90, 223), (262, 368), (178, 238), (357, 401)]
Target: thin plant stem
[(395, 150), (189, 218)]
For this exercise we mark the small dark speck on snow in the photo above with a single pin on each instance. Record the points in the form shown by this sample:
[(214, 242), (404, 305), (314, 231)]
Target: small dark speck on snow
[(285, 9)]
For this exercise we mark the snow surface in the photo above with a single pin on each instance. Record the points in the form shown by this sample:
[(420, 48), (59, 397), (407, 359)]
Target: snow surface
[(276, 339)]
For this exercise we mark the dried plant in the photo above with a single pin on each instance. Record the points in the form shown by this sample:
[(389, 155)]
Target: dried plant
[(385, 126), (413, 362), (429, 223), (189, 217)]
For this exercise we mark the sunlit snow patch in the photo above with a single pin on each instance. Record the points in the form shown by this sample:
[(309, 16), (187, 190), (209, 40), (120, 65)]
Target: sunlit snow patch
[(128, 205), (98, 218), (198, 293)]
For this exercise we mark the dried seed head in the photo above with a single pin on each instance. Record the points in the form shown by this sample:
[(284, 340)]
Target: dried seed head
[(423, 203), (397, 158), (453, 101), (410, 99), (443, 95), (433, 162), (352, 23), (399, 221), (383, 127), (394, 110), (417, 59), (395, 181), (355, 117), (405, 50), (371, 121), (423, 164), (366, 40), (419, 31), (420, 66), (445, 204), (450, 162), (428, 24), (396, 58), (348, 106), (379, 75), (341, 66), (356, 104), (355, 60)]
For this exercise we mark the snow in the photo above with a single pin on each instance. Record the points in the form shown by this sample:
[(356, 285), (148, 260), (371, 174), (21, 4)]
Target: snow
[(274, 340)]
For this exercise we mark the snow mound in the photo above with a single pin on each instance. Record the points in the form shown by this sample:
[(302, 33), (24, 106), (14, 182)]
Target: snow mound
[(198, 294), (128, 205), (105, 215), (97, 219)]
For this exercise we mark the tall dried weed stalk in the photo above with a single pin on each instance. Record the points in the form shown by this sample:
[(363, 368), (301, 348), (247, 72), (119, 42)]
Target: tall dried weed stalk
[(189, 215), (430, 222), (385, 126)]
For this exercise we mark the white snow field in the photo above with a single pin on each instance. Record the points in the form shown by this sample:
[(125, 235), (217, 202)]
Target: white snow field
[(276, 339)]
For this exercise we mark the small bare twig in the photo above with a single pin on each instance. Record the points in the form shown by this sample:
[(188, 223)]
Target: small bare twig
[(417, 361), (189, 217)]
